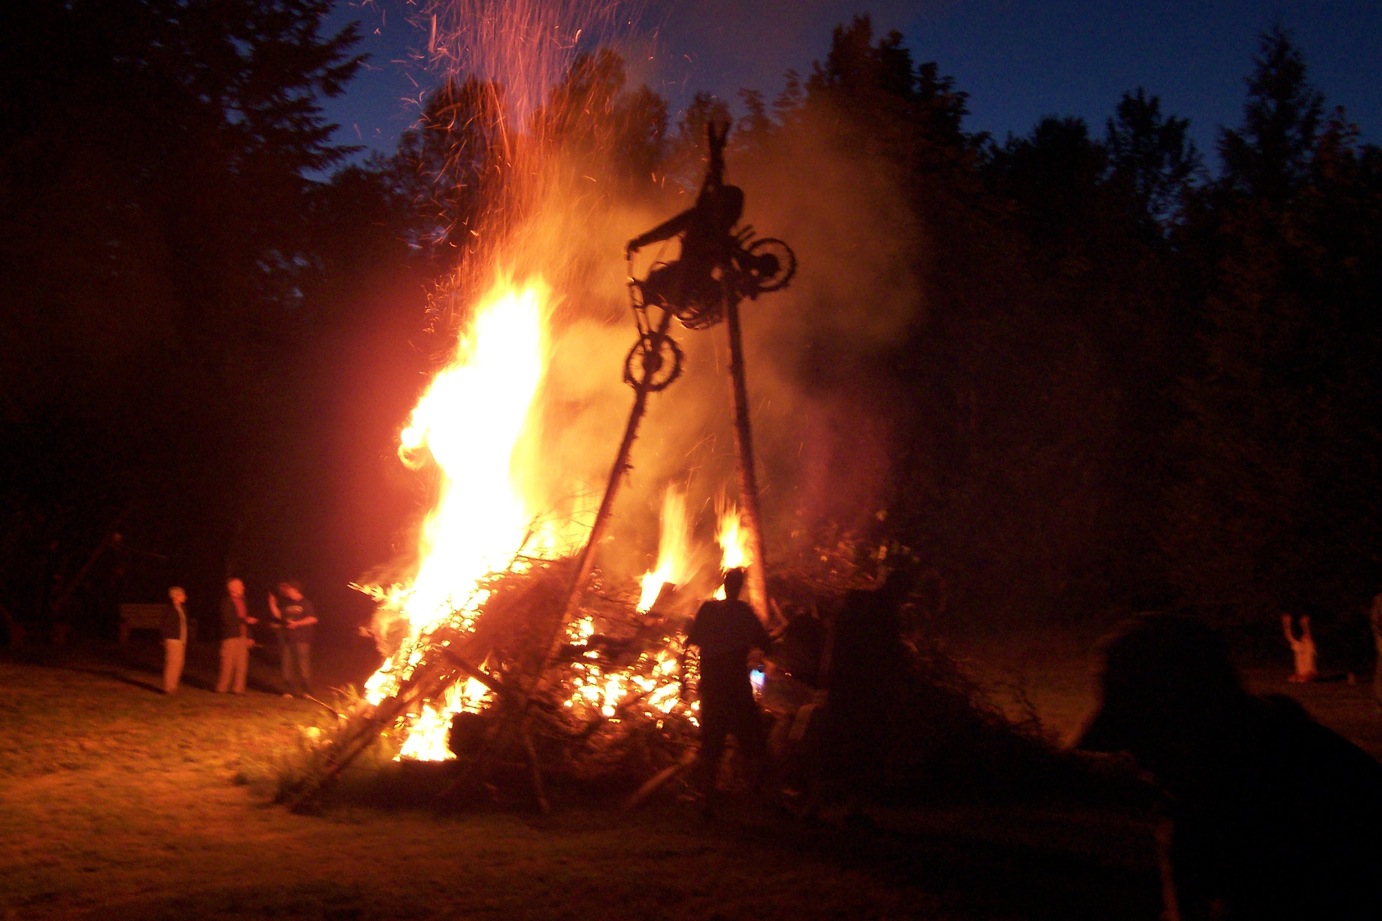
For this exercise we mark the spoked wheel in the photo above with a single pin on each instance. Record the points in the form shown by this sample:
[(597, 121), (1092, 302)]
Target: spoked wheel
[(653, 369), (769, 263)]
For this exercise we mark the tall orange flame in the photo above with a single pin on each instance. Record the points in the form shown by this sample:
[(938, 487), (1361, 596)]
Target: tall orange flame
[(733, 539), (470, 423), (673, 552), (470, 428)]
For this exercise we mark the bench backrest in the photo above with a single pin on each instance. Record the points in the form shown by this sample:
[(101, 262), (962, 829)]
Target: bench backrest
[(146, 617), (142, 615)]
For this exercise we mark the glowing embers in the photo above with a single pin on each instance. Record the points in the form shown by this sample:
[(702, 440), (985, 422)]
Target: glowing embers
[(601, 686)]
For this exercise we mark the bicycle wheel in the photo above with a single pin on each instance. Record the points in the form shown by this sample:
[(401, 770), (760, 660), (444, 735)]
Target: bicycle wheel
[(769, 263), (650, 368)]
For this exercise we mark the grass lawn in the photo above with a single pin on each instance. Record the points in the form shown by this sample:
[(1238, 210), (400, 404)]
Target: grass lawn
[(118, 802)]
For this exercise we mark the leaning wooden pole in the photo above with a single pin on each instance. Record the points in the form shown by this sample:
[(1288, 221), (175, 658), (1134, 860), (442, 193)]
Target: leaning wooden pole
[(429, 679), (750, 511), (586, 561)]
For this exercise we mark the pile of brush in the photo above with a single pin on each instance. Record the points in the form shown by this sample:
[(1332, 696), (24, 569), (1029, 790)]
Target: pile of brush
[(604, 701), (595, 698)]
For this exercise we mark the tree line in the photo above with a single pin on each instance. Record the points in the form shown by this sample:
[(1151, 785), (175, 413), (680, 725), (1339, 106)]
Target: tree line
[(1123, 379)]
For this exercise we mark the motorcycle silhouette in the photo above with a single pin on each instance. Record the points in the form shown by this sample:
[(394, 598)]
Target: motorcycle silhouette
[(696, 297)]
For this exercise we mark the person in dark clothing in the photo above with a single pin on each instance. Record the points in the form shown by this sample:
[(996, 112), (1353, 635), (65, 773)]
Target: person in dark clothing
[(725, 632), (801, 646), (707, 239), (174, 631), (296, 620), (1270, 815), (235, 639), (865, 669)]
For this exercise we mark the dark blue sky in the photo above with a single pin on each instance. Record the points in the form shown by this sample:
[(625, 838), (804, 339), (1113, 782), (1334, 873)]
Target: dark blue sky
[(1018, 61)]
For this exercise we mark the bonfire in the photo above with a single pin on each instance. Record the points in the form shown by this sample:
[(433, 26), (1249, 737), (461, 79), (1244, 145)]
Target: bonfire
[(504, 644)]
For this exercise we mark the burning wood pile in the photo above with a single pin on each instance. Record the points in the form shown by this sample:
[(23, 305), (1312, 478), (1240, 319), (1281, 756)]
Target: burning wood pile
[(497, 657), (505, 681), (508, 651), (497, 650), (610, 707)]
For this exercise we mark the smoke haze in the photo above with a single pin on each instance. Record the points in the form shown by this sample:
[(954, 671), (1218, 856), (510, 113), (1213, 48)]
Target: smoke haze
[(822, 443)]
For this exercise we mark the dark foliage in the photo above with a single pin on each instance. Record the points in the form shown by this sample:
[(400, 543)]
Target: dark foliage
[(1114, 378), (166, 243)]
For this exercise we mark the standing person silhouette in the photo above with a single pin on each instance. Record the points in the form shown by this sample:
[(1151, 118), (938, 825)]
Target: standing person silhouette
[(1270, 815), (235, 639), (866, 667), (174, 631), (726, 631), (297, 620)]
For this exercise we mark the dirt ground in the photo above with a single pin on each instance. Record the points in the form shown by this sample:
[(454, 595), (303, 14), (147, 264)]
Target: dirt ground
[(119, 802)]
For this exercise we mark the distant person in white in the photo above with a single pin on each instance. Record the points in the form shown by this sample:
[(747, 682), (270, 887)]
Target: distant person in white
[(174, 630)]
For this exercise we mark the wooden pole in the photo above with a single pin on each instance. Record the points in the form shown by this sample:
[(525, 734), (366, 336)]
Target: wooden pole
[(621, 466), (751, 511)]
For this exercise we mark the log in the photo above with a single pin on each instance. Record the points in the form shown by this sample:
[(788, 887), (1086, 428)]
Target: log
[(660, 779), (752, 514)]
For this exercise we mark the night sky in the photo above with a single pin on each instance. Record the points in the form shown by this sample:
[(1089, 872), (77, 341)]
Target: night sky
[(1017, 61)]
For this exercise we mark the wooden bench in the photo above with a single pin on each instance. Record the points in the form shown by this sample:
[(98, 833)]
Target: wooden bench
[(148, 617)]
